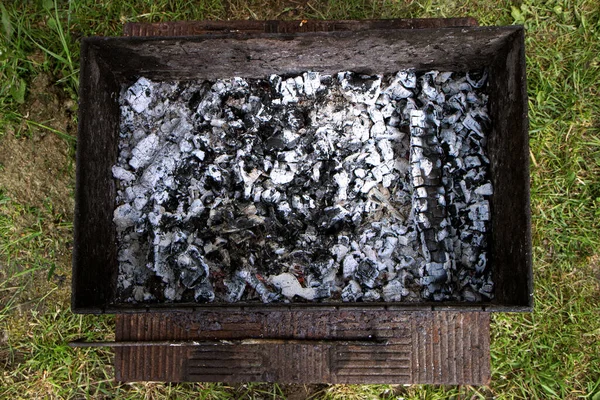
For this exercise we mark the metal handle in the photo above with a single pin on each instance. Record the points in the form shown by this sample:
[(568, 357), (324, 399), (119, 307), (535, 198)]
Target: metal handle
[(237, 342)]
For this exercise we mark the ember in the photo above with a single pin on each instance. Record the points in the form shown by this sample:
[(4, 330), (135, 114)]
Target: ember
[(308, 187)]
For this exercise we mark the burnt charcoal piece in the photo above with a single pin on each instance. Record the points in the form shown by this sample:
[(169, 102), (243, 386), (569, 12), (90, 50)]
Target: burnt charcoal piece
[(344, 187)]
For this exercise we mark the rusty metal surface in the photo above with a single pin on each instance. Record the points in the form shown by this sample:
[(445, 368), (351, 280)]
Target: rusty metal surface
[(422, 347), (192, 28)]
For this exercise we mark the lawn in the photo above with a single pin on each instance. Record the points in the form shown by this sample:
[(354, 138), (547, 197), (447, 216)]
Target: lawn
[(553, 352)]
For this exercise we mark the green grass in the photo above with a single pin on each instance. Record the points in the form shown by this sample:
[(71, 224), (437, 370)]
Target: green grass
[(552, 353)]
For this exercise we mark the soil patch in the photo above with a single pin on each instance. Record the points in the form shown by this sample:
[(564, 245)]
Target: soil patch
[(37, 167)]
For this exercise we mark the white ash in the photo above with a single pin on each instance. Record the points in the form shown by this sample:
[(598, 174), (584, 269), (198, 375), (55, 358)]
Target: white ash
[(304, 188)]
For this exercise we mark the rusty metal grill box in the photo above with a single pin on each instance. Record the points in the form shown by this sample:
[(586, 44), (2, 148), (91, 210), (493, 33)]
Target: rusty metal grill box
[(370, 47)]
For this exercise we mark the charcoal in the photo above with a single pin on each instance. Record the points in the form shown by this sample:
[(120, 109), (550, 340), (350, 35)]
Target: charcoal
[(266, 295), (304, 188), (485, 190), (122, 174), (471, 296), (399, 87), (471, 123), (394, 290), (437, 272), (371, 295), (235, 288), (139, 95), (192, 266), (360, 88), (289, 287), (126, 216), (408, 78), (352, 292), (349, 265), (477, 79), (204, 293), (367, 272)]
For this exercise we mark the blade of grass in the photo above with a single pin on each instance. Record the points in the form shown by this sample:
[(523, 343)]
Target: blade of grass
[(60, 134), (57, 25)]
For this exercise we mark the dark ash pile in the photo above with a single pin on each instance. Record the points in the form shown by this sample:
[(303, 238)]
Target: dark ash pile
[(310, 187)]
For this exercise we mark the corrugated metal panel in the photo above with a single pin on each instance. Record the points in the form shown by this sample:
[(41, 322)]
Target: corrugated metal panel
[(420, 347), (191, 28)]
